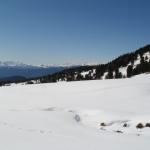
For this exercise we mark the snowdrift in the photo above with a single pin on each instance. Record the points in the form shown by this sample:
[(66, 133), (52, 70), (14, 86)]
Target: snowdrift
[(91, 115)]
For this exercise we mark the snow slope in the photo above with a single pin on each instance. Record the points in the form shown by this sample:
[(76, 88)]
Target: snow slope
[(67, 115), (122, 69)]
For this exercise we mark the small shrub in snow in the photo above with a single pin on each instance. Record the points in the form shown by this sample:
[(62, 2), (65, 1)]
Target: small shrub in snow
[(77, 118), (125, 125), (29, 82), (103, 124), (147, 125), (140, 126), (118, 131)]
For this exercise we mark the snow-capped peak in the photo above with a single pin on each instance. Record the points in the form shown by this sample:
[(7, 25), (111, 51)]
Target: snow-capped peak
[(12, 64)]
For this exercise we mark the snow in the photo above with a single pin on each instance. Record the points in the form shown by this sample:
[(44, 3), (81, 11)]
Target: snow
[(84, 73), (147, 55), (137, 61), (92, 72), (67, 115), (123, 71), (104, 75)]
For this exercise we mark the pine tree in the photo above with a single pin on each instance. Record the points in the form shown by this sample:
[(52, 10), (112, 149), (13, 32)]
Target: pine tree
[(129, 71)]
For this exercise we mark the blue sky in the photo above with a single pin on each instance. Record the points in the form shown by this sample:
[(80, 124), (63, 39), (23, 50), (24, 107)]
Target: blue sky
[(71, 31)]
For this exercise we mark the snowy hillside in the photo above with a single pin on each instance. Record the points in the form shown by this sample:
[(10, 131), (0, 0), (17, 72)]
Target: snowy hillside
[(90, 115), (124, 66), (122, 70)]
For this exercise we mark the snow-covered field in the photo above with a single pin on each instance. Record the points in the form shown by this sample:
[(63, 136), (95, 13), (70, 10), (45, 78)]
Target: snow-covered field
[(90, 115)]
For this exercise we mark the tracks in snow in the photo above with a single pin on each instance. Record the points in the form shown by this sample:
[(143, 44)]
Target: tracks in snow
[(91, 118)]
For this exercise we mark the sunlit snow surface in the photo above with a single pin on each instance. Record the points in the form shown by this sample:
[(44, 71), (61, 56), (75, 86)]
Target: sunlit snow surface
[(67, 115)]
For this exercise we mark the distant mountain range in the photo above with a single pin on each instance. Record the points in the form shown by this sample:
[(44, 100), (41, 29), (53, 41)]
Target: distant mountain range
[(13, 71), (126, 65)]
